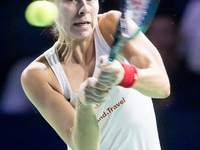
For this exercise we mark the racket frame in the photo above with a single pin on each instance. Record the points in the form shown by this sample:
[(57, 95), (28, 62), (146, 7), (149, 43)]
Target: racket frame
[(122, 34)]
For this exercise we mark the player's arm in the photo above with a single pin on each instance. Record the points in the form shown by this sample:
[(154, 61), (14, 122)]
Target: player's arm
[(71, 125), (152, 77), (140, 52)]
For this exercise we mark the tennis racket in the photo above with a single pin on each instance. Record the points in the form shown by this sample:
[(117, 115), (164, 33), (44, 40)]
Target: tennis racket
[(141, 12)]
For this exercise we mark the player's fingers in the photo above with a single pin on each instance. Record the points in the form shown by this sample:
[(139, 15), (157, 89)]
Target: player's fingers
[(93, 101), (94, 90), (93, 83), (107, 84), (108, 79), (102, 86), (96, 93), (107, 76), (103, 59), (113, 72)]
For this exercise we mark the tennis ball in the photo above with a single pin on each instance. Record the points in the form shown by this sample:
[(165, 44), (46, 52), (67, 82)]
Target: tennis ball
[(41, 13)]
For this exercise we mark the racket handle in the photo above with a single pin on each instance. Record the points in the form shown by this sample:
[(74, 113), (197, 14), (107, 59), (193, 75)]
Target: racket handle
[(106, 60)]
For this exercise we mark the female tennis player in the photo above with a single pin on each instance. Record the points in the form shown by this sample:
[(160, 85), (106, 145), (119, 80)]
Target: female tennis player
[(92, 105)]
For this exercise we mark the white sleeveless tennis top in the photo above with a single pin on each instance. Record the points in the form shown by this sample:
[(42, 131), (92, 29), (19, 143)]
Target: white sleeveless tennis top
[(126, 120)]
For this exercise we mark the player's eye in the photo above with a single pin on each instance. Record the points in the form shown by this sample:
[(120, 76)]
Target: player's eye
[(91, 0)]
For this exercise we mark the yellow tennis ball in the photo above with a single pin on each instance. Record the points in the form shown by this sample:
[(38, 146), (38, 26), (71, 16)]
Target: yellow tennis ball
[(41, 13)]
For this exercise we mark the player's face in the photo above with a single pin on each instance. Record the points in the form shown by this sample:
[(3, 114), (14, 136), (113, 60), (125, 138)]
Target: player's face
[(78, 18)]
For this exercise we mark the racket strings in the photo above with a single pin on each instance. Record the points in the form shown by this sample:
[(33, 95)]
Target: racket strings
[(137, 10), (141, 12)]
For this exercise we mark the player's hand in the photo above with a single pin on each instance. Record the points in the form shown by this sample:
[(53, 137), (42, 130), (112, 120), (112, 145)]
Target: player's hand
[(92, 92), (110, 74)]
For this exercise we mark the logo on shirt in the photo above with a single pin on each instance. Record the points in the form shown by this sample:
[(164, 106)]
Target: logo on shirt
[(110, 110), (96, 106)]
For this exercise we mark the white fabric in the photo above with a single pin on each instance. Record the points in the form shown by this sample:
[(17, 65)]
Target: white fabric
[(53, 60), (126, 119)]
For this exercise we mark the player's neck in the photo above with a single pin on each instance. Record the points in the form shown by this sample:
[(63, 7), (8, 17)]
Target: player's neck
[(82, 51)]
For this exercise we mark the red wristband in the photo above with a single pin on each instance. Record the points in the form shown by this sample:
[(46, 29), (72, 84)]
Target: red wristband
[(130, 76)]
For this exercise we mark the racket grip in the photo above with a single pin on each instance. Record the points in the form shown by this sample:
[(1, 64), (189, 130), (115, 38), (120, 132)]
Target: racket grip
[(106, 60)]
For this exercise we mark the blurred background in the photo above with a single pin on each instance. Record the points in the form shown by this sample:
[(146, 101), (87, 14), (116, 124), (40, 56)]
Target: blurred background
[(175, 31)]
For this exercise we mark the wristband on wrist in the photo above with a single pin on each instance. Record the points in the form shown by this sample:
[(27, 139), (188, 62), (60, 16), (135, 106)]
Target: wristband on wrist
[(130, 76)]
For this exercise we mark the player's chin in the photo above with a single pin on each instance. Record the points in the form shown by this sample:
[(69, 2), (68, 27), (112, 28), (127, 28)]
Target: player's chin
[(84, 36), (82, 33)]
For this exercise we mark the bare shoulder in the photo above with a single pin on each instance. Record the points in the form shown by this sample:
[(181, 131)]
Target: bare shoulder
[(34, 71), (109, 20), (108, 24), (110, 16), (38, 75)]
